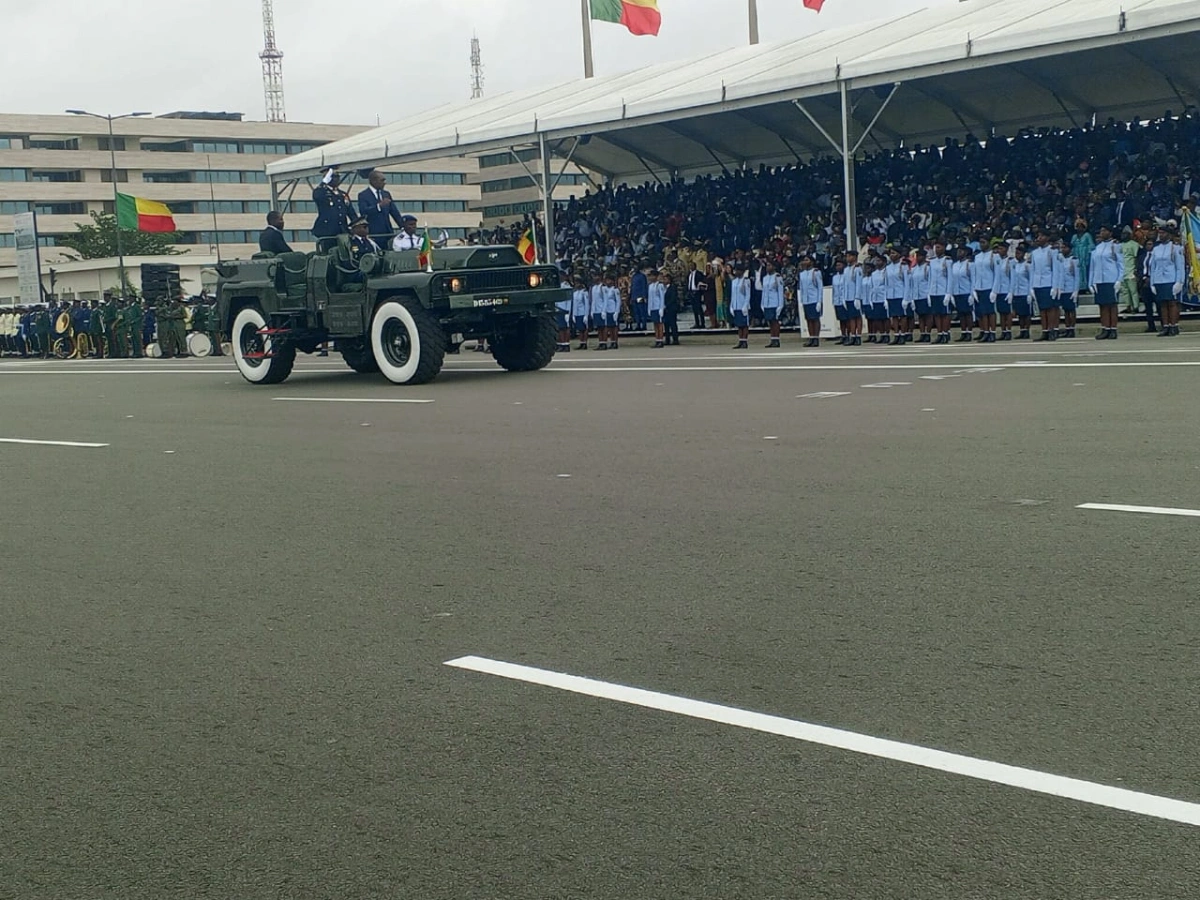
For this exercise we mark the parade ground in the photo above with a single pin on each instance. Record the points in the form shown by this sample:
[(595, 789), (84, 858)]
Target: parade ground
[(681, 623)]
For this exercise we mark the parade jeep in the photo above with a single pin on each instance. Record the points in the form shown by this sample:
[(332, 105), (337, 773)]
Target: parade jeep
[(388, 313)]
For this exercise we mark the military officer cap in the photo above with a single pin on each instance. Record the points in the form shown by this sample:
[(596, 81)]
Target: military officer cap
[(361, 220), (408, 218)]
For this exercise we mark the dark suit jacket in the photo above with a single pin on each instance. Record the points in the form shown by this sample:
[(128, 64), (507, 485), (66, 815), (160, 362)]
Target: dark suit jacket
[(379, 218), (271, 241), (333, 212)]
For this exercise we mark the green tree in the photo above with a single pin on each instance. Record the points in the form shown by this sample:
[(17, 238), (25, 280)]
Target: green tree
[(99, 240)]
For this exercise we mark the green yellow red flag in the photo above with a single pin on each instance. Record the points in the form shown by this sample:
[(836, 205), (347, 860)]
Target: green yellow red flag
[(639, 16), (140, 214)]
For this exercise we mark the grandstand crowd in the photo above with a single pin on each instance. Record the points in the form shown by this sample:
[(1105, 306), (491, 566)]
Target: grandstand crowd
[(1117, 186)]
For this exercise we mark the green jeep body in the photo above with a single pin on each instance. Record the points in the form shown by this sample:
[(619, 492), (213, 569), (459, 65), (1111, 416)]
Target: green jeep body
[(275, 305)]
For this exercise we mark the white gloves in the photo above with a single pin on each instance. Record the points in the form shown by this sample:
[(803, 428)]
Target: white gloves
[(1055, 294), (949, 301), (1092, 288), (992, 296), (1177, 289)]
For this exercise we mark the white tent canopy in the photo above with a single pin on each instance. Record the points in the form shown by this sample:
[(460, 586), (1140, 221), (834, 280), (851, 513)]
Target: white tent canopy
[(978, 66)]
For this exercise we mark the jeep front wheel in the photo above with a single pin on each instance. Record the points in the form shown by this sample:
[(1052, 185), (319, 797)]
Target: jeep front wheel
[(259, 359), (407, 341), (528, 346), (359, 357)]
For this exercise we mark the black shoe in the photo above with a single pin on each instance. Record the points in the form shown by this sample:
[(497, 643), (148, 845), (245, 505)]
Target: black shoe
[(1102, 334), (925, 339), (872, 338), (1006, 336), (857, 340), (1166, 331), (566, 348), (742, 345), (602, 346), (1023, 335), (657, 345), (774, 343), (583, 345), (1113, 334), (964, 338), (1174, 331)]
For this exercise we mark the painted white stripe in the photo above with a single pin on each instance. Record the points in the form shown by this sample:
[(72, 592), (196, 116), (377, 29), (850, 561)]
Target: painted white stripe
[(940, 760), (1152, 510), (49, 443), (350, 400)]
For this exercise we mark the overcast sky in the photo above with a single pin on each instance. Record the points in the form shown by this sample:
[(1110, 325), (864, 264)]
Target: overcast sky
[(351, 63)]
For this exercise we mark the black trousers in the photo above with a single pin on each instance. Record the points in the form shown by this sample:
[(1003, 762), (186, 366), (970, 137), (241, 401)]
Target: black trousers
[(696, 301), (671, 326)]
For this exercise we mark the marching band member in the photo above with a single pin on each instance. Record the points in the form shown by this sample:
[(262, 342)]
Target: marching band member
[(1166, 271), (581, 308), (940, 298), (1106, 271), (920, 277), (1022, 275), (961, 280), (810, 288), (1042, 263), (1002, 290), (654, 307), (1066, 283), (772, 302), (739, 308)]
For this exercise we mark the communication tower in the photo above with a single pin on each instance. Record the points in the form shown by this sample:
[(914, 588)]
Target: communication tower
[(476, 70), (272, 63)]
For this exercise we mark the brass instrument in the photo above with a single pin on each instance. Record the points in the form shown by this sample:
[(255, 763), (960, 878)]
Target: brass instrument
[(63, 323)]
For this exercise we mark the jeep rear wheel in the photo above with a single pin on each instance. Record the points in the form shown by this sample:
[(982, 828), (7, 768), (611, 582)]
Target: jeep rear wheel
[(258, 358), (360, 358), (407, 342), (528, 346)]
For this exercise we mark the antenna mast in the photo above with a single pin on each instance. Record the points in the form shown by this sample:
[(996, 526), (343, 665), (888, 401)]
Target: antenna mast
[(272, 63), (476, 69)]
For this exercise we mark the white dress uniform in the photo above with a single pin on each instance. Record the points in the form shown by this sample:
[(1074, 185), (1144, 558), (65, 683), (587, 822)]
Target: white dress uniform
[(406, 241)]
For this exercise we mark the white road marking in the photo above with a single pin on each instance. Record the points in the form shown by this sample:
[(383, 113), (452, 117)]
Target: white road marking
[(350, 400), (888, 384), (823, 395), (50, 443), (1090, 792), (771, 437), (1152, 510)]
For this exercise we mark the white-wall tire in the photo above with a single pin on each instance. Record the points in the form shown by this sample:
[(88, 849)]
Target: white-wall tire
[(407, 342), (243, 333)]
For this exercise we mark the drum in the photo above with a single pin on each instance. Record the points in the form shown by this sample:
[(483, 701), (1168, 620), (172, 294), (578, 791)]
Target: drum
[(154, 351), (199, 344)]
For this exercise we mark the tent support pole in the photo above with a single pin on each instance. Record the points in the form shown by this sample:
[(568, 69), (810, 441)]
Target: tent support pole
[(547, 202), (845, 117), (851, 210)]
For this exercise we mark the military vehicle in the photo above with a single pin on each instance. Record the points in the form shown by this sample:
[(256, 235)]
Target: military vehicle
[(387, 313)]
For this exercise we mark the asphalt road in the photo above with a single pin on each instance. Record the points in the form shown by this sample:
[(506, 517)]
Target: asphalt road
[(222, 665)]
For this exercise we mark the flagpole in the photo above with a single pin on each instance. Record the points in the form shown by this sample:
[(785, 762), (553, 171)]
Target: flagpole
[(586, 12), (753, 21)]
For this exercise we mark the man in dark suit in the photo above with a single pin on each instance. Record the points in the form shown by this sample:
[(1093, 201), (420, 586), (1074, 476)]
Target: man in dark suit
[(271, 239), (375, 204), (333, 211)]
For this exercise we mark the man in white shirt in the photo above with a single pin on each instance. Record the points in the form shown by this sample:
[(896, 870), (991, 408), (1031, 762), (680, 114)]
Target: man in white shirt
[(408, 239)]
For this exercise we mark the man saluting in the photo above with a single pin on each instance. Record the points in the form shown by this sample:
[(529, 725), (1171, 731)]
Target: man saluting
[(333, 211)]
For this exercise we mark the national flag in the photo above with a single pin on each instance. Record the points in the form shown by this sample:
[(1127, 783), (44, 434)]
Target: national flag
[(814, 5), (639, 16), (140, 214), (1191, 250), (526, 247), (425, 255)]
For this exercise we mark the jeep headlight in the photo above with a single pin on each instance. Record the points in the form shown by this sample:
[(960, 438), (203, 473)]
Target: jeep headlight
[(535, 279), (456, 285)]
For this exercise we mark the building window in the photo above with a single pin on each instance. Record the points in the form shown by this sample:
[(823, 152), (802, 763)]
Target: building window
[(118, 143), (8, 240), (57, 175), (47, 240), (506, 159), (265, 148), (404, 177), (445, 206), (6, 143), (257, 206), (13, 175), (443, 178), (12, 207), (217, 176), (254, 178), (106, 175), (300, 206), (71, 208), (301, 148), (165, 177), (214, 147), (36, 144), (165, 147)]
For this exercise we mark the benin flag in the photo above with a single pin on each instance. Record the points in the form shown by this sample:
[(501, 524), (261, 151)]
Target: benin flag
[(639, 16), (525, 247), (139, 214), (814, 4), (425, 256)]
